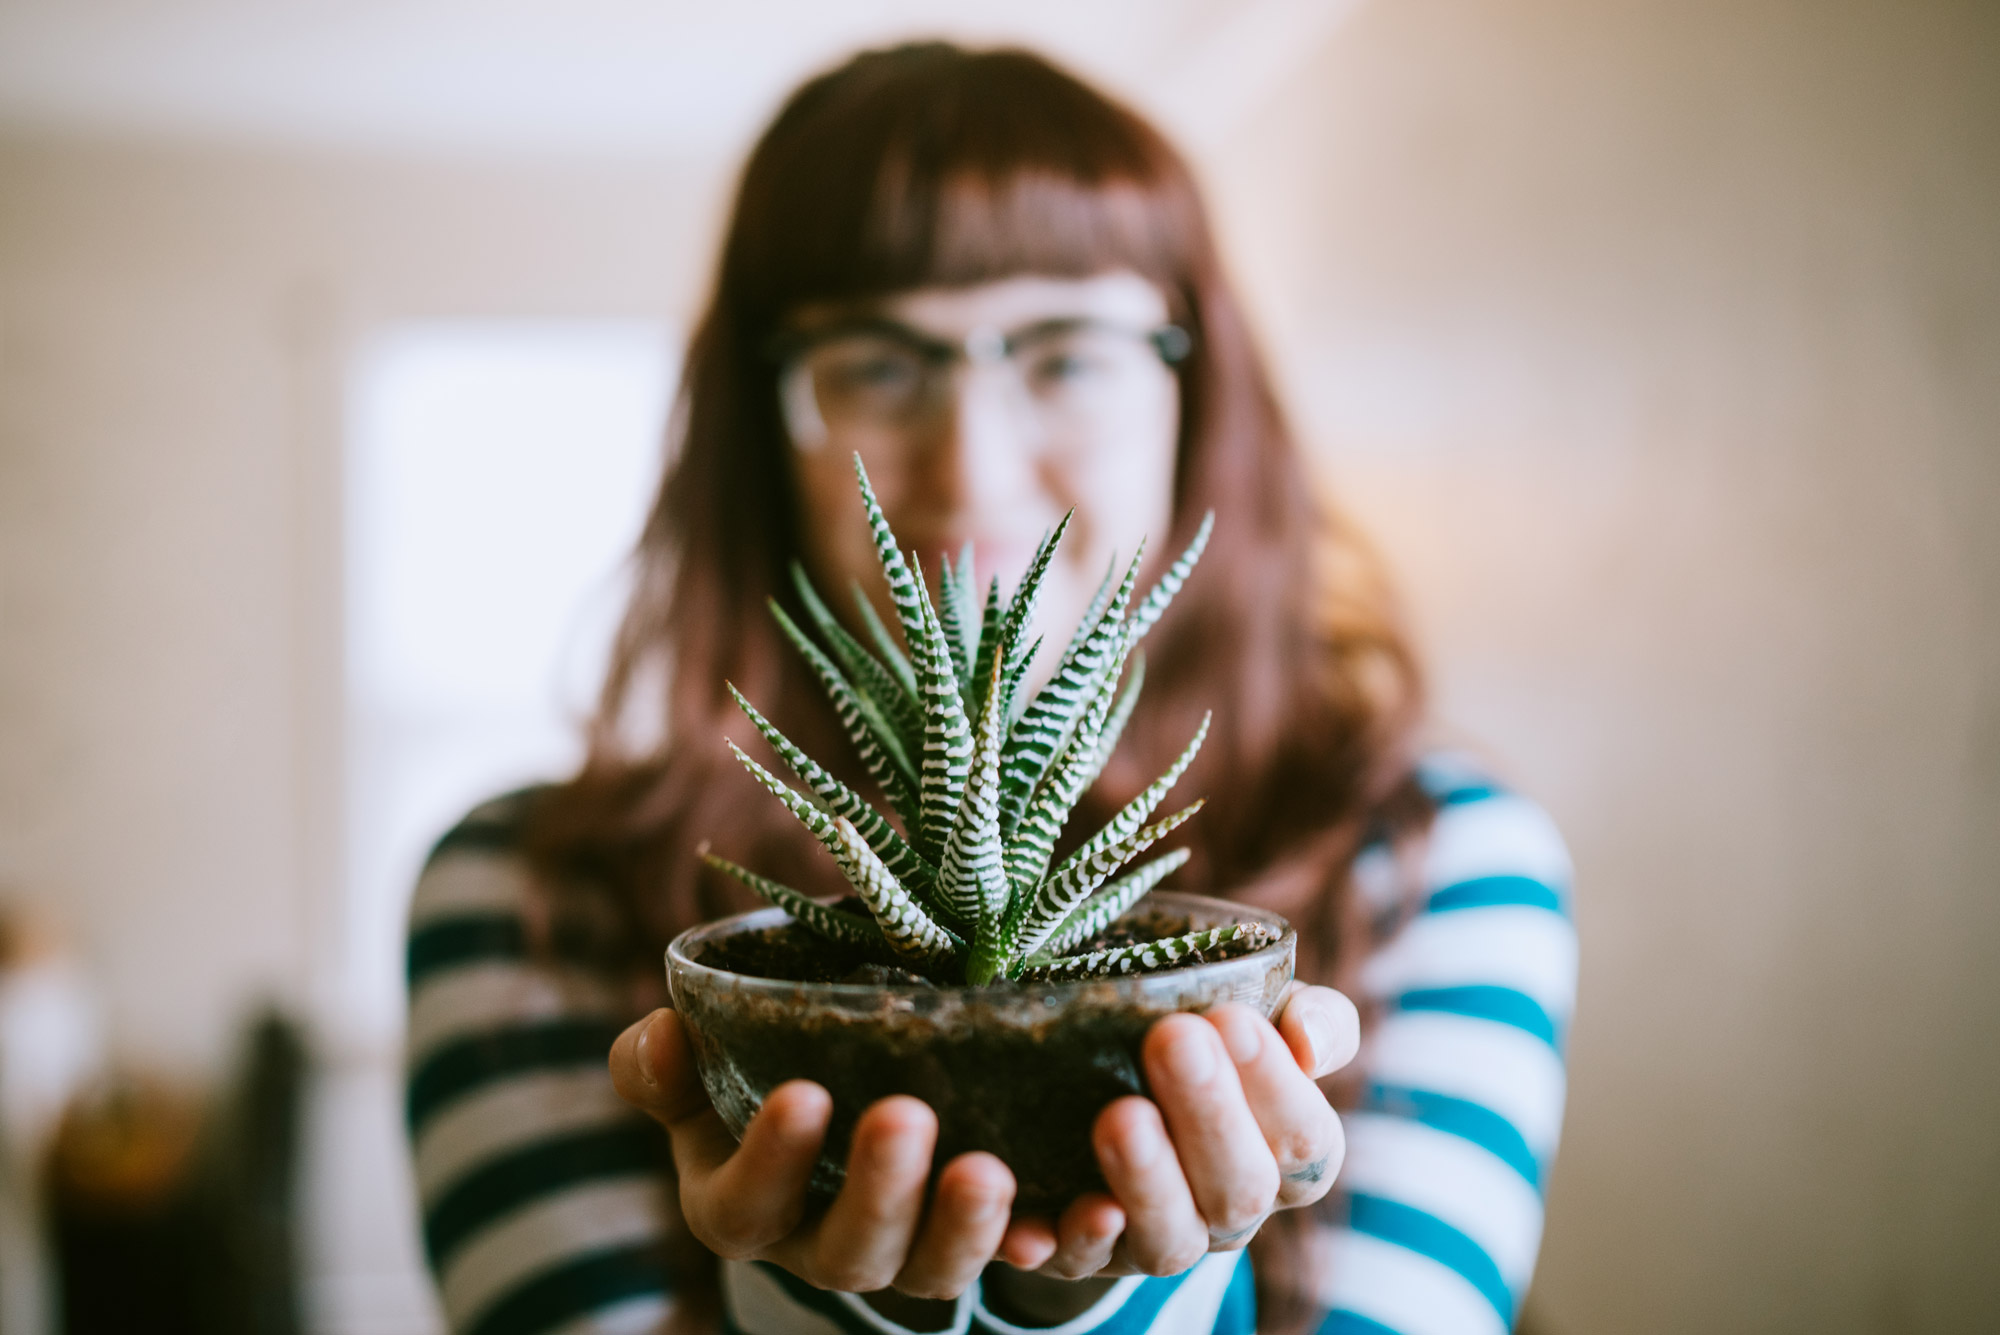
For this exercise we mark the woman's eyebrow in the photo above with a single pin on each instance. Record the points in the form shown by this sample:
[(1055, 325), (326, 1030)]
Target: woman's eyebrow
[(935, 346), (791, 341), (1055, 324)]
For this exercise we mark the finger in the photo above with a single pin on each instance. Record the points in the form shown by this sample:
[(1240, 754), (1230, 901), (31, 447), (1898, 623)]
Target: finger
[(652, 1068), (962, 1229), (1086, 1233), (860, 1244), (1029, 1241), (1164, 1234), (1298, 1125), (1322, 1028), (741, 1200), (1228, 1167)]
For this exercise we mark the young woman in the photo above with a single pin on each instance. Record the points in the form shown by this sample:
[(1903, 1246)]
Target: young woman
[(998, 287)]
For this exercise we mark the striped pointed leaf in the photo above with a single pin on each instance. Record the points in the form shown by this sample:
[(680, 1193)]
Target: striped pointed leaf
[(836, 798), (1155, 603), (947, 754), (989, 638), (866, 673), (910, 931), (848, 928), (815, 818), (972, 880), (874, 737), (1152, 956), (1121, 714), (1100, 599), (958, 616), (1138, 809), (1058, 897), (1021, 607), (1086, 625), (1010, 685), (885, 641), (906, 590), (1111, 903), (1045, 726), (1033, 841)]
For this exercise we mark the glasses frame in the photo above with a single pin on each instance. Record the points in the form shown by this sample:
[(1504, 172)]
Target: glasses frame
[(983, 346)]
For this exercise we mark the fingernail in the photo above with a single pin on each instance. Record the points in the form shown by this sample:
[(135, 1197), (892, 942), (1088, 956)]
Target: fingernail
[(1242, 1035), (1319, 1033), (643, 1050), (1190, 1058)]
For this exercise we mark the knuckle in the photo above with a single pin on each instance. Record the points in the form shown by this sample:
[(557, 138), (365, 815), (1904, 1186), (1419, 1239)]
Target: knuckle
[(733, 1229), (725, 1245), (1166, 1256), (858, 1277), (1302, 1144), (850, 1271), (1242, 1194), (1296, 1194), (1080, 1261), (1312, 1136), (1243, 1210)]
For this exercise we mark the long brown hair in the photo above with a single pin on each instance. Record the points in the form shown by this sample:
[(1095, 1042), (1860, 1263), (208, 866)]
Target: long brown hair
[(929, 165)]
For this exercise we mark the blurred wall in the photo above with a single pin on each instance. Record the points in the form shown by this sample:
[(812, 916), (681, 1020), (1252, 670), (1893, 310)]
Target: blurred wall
[(1660, 346), (174, 324)]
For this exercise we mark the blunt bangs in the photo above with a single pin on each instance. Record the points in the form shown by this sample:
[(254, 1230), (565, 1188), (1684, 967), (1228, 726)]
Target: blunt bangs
[(926, 167)]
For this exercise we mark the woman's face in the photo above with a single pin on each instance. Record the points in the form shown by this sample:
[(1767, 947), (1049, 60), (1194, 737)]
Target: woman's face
[(983, 414)]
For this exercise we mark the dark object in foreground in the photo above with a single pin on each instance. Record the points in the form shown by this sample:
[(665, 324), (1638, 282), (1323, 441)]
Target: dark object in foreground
[(1018, 1070)]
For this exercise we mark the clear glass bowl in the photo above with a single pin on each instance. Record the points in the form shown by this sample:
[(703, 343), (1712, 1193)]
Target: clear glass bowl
[(1019, 1070)]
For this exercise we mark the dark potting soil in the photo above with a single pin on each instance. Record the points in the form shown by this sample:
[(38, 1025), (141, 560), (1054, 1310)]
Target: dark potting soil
[(793, 954), (1025, 1089)]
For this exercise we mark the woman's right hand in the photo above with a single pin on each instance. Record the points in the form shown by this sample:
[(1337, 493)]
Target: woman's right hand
[(749, 1201)]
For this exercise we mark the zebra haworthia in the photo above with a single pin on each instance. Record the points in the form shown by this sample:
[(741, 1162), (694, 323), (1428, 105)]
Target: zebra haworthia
[(981, 774)]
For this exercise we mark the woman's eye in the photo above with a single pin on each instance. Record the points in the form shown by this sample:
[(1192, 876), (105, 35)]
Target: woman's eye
[(1067, 367), (875, 373)]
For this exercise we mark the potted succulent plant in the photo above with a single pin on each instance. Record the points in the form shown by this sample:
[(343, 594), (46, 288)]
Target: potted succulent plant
[(969, 968)]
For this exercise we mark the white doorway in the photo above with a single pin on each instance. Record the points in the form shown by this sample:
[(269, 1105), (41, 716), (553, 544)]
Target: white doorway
[(496, 473)]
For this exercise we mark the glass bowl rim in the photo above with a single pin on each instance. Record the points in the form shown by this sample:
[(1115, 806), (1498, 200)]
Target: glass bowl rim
[(678, 961)]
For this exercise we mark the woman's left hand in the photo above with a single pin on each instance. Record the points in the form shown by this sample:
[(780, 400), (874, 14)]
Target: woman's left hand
[(1236, 1128)]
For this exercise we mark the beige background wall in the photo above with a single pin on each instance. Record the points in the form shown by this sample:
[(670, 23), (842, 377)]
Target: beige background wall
[(1659, 344)]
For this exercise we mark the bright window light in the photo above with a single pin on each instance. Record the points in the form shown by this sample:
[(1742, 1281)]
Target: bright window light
[(498, 473)]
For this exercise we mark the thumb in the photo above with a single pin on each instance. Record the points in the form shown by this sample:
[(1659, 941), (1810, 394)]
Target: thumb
[(652, 1068)]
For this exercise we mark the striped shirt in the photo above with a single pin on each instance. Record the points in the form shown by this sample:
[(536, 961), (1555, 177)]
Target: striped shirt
[(544, 1200)]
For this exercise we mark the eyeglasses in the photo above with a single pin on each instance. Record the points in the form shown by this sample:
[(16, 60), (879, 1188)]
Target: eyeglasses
[(1066, 377)]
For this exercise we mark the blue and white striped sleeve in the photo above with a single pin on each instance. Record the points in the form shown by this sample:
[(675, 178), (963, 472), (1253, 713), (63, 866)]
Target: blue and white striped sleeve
[(543, 1197), (1448, 1155)]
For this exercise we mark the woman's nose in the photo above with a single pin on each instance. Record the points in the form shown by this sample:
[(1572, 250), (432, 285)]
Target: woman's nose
[(983, 448)]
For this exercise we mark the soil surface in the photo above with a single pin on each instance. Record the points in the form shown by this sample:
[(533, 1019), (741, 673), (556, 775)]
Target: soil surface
[(794, 954)]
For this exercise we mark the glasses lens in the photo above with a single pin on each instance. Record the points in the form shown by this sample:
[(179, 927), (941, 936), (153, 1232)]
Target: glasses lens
[(1060, 381), (1088, 373), (864, 380)]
